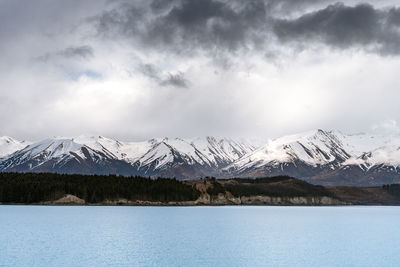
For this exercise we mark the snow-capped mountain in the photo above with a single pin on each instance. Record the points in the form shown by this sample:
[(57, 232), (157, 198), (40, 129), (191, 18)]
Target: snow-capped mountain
[(64, 156), (209, 152), (313, 148), (326, 157), (322, 157), (96, 154), (9, 145), (371, 150)]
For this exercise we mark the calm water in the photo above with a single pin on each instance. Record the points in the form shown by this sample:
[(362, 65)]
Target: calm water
[(199, 236)]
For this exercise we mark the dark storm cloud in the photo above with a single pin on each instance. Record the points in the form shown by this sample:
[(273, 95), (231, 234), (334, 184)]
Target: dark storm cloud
[(227, 26), (161, 5), (343, 27), (189, 25)]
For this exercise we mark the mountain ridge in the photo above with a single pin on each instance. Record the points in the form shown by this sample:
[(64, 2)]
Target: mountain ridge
[(318, 156)]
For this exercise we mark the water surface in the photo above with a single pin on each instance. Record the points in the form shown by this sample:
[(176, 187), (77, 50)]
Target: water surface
[(199, 236)]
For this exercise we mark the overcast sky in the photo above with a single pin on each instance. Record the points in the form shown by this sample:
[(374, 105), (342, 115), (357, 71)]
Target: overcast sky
[(140, 69)]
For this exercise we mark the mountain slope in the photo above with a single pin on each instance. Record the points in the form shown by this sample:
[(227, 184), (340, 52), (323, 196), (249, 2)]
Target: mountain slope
[(320, 157), (325, 157), (313, 149), (96, 154), (63, 156), (207, 155), (9, 145)]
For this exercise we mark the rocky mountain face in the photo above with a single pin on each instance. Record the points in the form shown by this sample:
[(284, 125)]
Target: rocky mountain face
[(326, 157), (320, 157), (181, 158), (63, 156)]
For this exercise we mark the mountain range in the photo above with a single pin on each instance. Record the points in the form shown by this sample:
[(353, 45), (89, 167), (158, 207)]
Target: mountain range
[(320, 157)]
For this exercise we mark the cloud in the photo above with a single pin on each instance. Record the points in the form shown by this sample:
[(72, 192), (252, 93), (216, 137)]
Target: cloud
[(286, 7), (150, 71), (216, 27), (84, 51), (175, 80), (72, 52), (341, 26), (388, 126), (187, 26), (251, 68)]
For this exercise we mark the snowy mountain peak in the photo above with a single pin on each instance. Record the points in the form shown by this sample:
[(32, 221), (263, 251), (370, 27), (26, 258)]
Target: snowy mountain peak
[(319, 151), (148, 157), (313, 148), (58, 154), (9, 145), (208, 151), (309, 154), (8, 139), (49, 148)]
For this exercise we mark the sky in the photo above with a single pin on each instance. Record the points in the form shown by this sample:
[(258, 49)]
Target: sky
[(135, 70)]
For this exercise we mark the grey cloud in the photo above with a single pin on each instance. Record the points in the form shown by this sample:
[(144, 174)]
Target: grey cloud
[(150, 71), (175, 80), (224, 27), (161, 5), (186, 26), (83, 51), (342, 26), (287, 6), (394, 17), (182, 44), (78, 52)]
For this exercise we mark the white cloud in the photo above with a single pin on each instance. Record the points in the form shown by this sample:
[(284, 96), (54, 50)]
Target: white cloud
[(388, 126), (234, 93)]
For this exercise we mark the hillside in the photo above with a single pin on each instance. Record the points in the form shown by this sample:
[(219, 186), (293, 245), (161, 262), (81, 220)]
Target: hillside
[(50, 188)]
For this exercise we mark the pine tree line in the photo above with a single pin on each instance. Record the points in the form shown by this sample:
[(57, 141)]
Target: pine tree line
[(38, 187)]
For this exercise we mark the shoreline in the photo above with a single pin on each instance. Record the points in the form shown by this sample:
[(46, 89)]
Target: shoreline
[(334, 203), (73, 190), (186, 205)]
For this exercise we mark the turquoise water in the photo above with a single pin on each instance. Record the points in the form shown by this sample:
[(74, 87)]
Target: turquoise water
[(199, 236)]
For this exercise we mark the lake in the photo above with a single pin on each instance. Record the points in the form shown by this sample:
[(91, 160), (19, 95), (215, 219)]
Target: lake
[(199, 236)]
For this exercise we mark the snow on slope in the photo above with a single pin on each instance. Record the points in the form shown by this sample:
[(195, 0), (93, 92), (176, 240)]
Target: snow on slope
[(9, 145), (128, 151), (151, 155), (356, 144), (389, 156), (325, 147), (222, 150), (160, 149), (58, 151), (367, 150), (209, 151), (313, 148)]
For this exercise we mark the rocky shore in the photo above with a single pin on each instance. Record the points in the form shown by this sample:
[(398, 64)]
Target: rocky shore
[(55, 189), (336, 196)]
